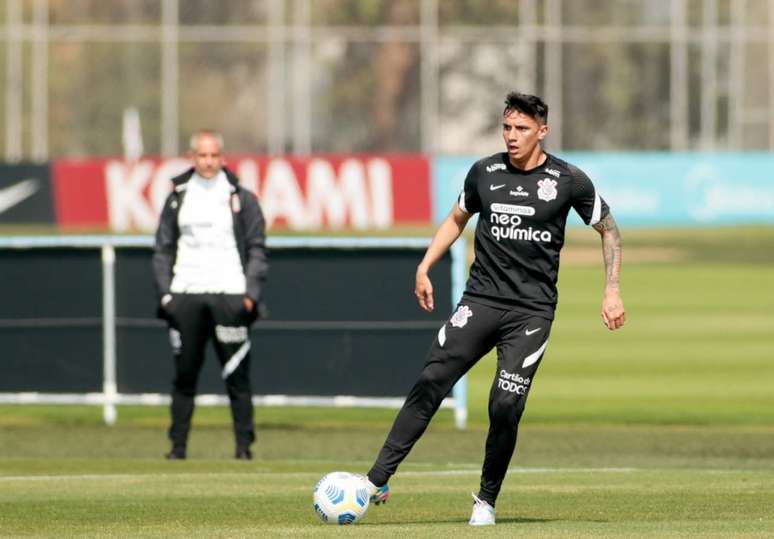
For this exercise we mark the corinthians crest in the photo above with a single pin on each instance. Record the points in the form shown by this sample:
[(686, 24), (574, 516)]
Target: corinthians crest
[(547, 189), (460, 317)]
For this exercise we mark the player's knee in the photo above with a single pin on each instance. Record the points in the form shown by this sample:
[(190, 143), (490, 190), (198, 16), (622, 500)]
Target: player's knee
[(185, 384), (185, 389), (506, 411), (433, 383), (426, 395), (238, 388)]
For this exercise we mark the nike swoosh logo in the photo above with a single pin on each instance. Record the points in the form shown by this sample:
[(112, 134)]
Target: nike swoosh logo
[(495, 187), (13, 195), (531, 331)]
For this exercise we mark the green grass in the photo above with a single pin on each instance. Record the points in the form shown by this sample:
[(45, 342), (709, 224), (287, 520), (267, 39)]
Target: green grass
[(265, 500), (662, 429)]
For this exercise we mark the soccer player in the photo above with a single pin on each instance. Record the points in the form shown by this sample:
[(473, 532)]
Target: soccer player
[(522, 196)]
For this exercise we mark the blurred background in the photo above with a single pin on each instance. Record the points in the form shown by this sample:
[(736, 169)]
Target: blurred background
[(89, 87), (322, 76)]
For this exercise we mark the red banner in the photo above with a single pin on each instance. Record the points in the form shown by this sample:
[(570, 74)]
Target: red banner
[(318, 192)]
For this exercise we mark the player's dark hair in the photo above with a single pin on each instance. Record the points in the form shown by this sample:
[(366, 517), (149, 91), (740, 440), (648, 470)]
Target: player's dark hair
[(531, 105)]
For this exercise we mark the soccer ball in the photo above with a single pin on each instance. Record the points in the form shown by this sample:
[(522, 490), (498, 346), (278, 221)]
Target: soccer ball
[(341, 498)]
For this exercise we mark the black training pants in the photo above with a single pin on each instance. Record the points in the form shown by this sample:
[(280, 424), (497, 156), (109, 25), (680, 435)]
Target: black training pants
[(471, 332), (195, 319)]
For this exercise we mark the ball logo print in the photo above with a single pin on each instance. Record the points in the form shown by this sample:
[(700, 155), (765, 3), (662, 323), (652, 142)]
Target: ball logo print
[(341, 498), (335, 494), (460, 317), (547, 189)]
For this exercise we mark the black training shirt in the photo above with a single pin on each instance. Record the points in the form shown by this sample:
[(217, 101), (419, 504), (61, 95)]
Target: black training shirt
[(520, 231)]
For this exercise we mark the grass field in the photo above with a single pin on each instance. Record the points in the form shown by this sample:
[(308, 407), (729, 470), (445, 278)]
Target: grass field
[(664, 429)]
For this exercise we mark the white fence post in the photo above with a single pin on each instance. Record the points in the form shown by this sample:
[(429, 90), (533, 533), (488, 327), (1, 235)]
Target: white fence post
[(459, 252), (109, 387)]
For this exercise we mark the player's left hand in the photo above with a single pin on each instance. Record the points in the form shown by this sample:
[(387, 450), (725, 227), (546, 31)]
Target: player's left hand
[(613, 314), (249, 304)]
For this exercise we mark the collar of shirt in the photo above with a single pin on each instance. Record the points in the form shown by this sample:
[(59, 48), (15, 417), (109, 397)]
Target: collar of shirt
[(209, 182)]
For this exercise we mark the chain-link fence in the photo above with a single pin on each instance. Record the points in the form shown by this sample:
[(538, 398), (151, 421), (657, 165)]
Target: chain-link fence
[(312, 76)]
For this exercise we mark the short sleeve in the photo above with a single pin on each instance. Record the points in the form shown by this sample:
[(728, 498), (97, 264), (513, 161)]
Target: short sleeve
[(591, 207), (469, 201)]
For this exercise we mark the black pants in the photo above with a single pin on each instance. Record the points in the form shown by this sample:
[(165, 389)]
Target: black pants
[(195, 319), (471, 332)]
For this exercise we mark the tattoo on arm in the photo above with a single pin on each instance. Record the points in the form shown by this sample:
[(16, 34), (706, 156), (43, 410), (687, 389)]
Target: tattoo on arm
[(611, 251)]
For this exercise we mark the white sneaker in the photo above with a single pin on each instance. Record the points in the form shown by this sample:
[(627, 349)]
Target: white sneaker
[(483, 513)]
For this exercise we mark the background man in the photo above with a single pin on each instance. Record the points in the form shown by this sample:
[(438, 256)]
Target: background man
[(523, 197), (210, 264)]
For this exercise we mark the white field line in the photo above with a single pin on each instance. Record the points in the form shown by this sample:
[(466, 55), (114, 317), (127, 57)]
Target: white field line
[(521, 471), (409, 473)]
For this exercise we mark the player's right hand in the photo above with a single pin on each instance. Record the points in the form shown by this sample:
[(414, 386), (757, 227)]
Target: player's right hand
[(423, 290), (613, 313)]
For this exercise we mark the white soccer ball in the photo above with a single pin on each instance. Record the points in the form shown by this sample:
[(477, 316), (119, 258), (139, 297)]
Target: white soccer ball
[(341, 498)]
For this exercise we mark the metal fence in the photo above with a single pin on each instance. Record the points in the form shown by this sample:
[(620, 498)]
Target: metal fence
[(334, 338), (312, 76)]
